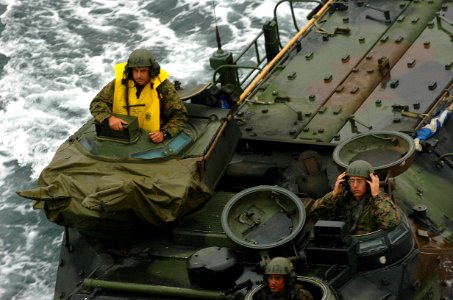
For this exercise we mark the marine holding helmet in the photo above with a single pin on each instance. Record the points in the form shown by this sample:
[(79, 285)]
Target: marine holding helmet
[(357, 199), (142, 89), (281, 282)]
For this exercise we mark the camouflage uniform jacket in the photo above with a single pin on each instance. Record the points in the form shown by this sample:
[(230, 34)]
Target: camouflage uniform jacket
[(173, 112), (363, 216), (303, 294)]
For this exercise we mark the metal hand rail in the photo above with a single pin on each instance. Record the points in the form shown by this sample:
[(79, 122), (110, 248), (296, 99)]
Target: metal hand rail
[(260, 59), (274, 61)]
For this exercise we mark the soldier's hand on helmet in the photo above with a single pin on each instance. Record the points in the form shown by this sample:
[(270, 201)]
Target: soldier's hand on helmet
[(338, 188), (374, 184), (156, 136), (116, 123)]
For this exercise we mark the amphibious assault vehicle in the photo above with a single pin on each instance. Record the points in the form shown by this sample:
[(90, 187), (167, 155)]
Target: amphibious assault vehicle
[(199, 215)]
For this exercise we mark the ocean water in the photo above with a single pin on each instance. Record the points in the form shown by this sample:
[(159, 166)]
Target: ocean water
[(54, 57)]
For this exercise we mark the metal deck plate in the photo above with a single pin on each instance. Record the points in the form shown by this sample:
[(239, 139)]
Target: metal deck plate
[(204, 228)]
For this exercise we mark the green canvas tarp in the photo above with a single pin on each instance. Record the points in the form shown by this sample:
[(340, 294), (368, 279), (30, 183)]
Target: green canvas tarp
[(91, 193)]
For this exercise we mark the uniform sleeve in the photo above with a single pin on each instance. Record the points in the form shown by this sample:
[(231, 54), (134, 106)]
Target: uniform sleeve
[(325, 207), (173, 110), (303, 294), (101, 105), (386, 212)]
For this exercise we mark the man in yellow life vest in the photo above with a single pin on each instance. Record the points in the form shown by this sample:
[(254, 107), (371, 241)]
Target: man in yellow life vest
[(142, 89)]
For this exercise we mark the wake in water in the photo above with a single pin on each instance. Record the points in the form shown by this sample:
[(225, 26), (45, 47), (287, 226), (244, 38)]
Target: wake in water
[(56, 55)]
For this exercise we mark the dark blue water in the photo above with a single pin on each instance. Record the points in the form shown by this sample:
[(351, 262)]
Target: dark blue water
[(54, 58)]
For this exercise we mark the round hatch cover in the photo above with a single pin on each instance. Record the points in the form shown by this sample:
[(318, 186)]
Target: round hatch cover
[(263, 217), (389, 152)]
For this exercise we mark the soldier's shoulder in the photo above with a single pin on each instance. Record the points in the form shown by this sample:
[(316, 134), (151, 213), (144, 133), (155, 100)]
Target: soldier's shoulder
[(166, 85), (305, 295)]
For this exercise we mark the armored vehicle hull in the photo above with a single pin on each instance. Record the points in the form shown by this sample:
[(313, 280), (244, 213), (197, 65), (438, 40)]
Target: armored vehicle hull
[(367, 80)]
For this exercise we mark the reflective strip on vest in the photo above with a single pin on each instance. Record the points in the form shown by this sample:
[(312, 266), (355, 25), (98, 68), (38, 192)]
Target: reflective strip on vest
[(148, 115)]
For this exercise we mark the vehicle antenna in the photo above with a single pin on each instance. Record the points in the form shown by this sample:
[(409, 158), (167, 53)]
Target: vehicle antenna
[(217, 34)]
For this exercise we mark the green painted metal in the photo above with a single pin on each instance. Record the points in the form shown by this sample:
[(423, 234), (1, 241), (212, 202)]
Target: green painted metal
[(357, 85), (263, 217), (181, 293)]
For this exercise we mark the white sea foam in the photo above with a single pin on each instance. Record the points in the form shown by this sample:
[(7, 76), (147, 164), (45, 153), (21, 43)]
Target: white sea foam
[(26, 272), (4, 170)]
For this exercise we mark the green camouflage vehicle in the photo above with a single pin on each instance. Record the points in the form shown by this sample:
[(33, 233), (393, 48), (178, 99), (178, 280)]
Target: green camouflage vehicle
[(200, 215)]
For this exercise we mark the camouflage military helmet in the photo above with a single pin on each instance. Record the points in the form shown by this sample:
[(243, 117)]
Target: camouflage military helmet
[(279, 265), (359, 168), (140, 58)]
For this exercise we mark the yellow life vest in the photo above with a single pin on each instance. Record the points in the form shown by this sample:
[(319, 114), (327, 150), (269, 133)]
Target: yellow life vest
[(146, 107)]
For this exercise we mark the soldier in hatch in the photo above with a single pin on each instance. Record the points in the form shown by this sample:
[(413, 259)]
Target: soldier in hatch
[(281, 282), (142, 89), (356, 199)]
